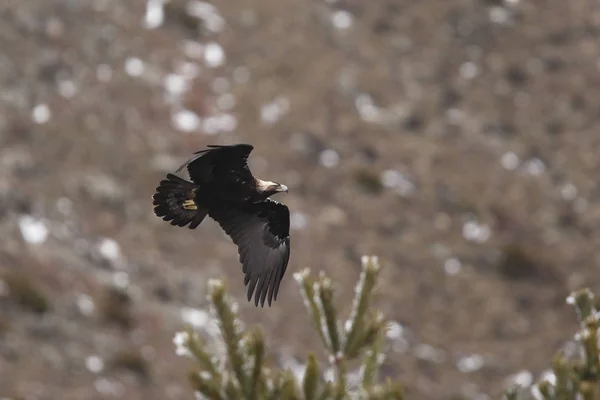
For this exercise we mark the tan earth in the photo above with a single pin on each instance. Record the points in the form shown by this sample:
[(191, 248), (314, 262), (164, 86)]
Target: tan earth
[(455, 139)]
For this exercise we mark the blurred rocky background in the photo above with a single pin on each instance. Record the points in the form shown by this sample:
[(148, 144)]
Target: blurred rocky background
[(456, 139)]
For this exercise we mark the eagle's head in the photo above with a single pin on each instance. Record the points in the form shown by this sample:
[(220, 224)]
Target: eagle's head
[(269, 188)]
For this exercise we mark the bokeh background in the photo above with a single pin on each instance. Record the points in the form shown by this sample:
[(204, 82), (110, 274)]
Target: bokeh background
[(456, 139)]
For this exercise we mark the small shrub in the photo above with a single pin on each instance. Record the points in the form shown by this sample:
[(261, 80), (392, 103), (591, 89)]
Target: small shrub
[(518, 263), (116, 308), (133, 361), (368, 181), (4, 325), (24, 292)]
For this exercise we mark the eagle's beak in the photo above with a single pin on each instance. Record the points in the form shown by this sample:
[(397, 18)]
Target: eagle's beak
[(282, 188)]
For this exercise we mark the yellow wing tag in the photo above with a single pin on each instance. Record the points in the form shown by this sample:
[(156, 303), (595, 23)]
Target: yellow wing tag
[(190, 205)]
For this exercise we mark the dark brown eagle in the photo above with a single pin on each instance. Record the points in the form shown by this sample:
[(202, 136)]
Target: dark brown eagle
[(223, 188)]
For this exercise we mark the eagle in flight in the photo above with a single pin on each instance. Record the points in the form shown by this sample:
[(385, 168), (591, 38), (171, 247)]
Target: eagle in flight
[(223, 188)]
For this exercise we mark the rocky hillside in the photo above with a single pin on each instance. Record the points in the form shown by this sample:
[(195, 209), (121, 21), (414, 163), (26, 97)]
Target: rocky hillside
[(454, 139)]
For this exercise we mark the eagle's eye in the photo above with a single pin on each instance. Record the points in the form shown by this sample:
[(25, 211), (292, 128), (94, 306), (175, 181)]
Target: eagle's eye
[(281, 188)]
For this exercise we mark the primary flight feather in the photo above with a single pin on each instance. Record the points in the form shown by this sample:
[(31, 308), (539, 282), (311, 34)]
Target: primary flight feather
[(223, 188)]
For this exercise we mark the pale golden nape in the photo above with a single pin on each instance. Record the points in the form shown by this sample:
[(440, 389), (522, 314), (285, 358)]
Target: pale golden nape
[(268, 186), (264, 185)]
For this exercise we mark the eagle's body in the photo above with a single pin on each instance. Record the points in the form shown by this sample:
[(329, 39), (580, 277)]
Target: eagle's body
[(223, 188)]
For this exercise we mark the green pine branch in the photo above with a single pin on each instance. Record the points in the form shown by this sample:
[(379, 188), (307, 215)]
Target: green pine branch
[(241, 372), (573, 377)]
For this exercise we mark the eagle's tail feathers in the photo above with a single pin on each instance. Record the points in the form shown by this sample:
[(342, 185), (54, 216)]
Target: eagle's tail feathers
[(174, 201)]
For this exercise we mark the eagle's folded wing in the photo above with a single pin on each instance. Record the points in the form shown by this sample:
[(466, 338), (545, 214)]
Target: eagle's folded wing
[(219, 163)]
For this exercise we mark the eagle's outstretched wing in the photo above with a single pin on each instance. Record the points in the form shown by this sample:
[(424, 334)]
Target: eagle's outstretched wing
[(261, 232), (223, 163)]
